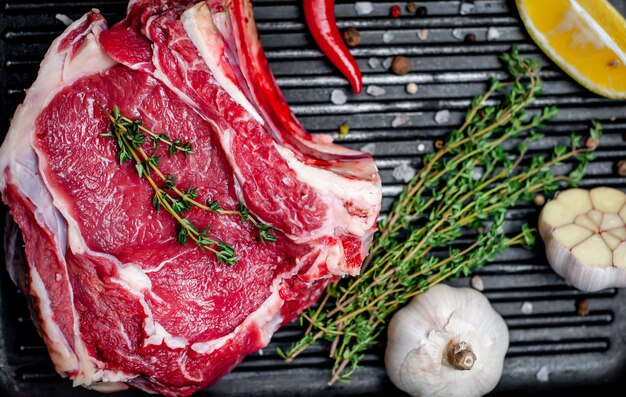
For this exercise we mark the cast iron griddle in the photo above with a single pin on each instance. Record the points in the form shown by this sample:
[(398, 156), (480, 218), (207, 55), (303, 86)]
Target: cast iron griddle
[(578, 352)]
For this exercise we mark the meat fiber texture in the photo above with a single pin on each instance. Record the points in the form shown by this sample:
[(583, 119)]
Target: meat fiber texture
[(117, 300)]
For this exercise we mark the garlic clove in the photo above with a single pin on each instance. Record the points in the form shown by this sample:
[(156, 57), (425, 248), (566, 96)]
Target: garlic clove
[(576, 200), (558, 215), (611, 221), (593, 252), (619, 232), (586, 222), (610, 240), (606, 199), (596, 217), (619, 256), (571, 235), (590, 251)]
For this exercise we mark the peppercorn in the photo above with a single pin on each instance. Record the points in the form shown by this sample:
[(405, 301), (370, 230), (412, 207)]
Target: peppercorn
[(421, 11), (400, 65), (539, 200), (411, 7), (582, 307), (591, 143), (438, 144), (411, 88), (395, 11), (620, 168), (352, 37), (344, 129), (470, 38)]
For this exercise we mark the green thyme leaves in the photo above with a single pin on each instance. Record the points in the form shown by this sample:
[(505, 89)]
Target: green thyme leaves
[(449, 220), (131, 138)]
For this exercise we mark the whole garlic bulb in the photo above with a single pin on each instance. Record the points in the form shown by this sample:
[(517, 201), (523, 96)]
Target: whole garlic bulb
[(585, 236), (447, 342)]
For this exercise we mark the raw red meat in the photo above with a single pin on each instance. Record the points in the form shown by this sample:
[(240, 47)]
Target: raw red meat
[(117, 300)]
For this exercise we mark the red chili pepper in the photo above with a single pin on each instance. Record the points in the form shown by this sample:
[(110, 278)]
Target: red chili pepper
[(320, 17)]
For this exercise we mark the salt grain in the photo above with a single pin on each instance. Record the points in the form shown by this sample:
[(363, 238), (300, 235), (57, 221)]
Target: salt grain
[(411, 88), (374, 63), (527, 308), (58, 277), (442, 116), (543, 375), (422, 34), (387, 62), (260, 352), (363, 7), (369, 148), (388, 37), (375, 90), (492, 34), (404, 173), (477, 283), (64, 19), (400, 120), (421, 147), (466, 8), (338, 97), (458, 34), (477, 173)]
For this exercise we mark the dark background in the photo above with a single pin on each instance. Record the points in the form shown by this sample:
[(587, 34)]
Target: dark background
[(583, 354)]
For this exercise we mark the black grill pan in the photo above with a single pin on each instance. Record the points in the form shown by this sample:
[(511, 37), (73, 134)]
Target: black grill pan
[(581, 353)]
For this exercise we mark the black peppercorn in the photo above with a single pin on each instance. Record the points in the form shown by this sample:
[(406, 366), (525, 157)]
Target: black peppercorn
[(470, 38), (352, 37)]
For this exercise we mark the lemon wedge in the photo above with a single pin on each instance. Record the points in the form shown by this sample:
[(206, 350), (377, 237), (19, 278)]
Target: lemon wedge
[(586, 38)]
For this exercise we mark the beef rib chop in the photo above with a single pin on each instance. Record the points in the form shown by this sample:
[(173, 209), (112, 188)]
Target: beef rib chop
[(117, 300)]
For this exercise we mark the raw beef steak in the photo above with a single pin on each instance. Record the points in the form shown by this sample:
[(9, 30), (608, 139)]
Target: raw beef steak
[(116, 298)]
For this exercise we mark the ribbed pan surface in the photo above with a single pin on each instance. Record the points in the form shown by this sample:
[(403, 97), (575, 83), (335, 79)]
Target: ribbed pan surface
[(577, 351)]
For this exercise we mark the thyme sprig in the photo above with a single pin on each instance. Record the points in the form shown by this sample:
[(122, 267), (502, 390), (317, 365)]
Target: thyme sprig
[(137, 131), (130, 136), (469, 184)]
